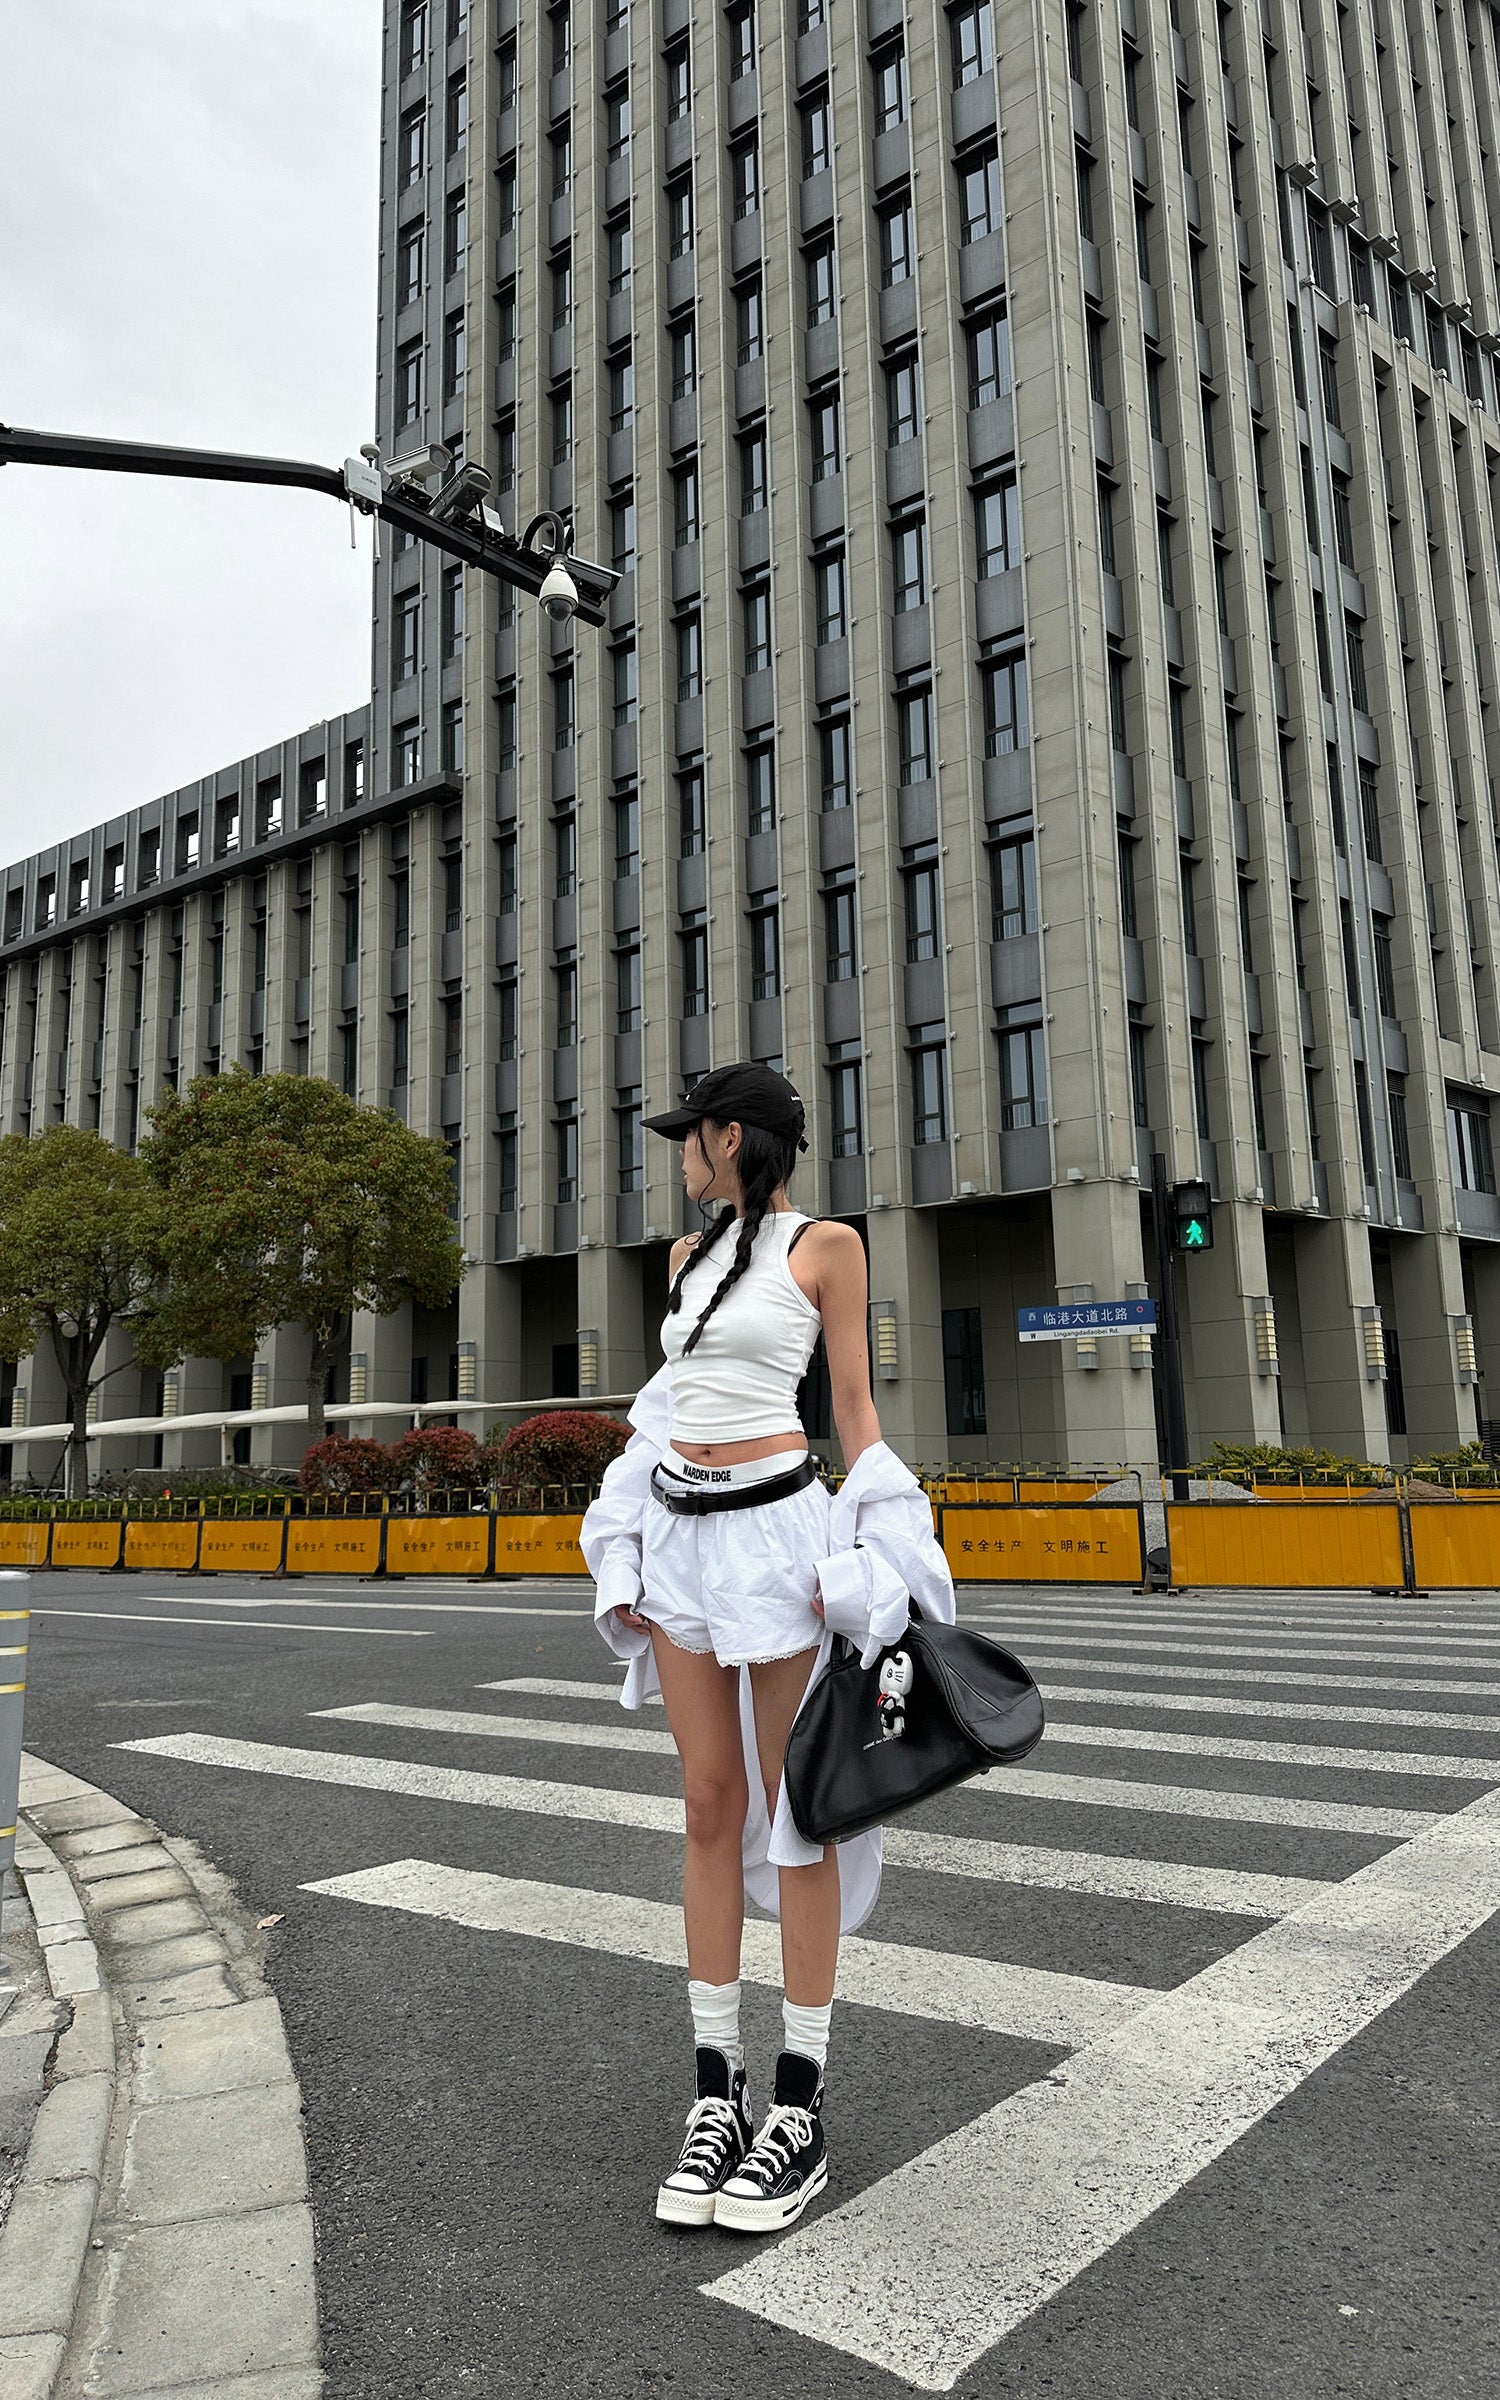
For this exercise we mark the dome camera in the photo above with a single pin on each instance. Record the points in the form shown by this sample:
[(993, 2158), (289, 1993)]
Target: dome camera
[(559, 593)]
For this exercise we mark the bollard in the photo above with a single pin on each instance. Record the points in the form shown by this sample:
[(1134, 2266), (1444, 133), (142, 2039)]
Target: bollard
[(15, 1589)]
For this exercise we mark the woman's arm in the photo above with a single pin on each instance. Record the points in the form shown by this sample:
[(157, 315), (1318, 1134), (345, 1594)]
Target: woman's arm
[(842, 1296)]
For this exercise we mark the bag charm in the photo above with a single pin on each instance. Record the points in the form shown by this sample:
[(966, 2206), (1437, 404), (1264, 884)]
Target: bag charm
[(896, 1680)]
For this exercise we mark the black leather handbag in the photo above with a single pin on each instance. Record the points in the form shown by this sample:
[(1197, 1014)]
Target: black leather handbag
[(936, 1708)]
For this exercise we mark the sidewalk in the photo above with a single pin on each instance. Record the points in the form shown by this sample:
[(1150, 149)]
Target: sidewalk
[(158, 2239)]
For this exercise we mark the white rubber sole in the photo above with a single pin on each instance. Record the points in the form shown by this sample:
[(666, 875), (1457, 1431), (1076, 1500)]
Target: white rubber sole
[(685, 2208), (769, 2216)]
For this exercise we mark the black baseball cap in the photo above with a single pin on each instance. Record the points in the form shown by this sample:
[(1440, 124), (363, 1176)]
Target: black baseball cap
[(746, 1094)]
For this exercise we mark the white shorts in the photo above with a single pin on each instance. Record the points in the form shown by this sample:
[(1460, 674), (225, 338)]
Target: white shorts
[(738, 1583)]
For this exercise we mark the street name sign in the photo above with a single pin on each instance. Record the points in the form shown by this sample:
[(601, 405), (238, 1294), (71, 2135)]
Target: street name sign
[(1069, 1319)]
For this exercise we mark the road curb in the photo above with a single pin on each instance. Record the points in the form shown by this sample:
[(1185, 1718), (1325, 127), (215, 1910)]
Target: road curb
[(166, 2164)]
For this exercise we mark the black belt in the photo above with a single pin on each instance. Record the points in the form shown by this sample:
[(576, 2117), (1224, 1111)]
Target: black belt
[(745, 1495)]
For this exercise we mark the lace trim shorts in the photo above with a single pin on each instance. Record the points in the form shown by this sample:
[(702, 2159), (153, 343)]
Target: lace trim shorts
[(738, 1584)]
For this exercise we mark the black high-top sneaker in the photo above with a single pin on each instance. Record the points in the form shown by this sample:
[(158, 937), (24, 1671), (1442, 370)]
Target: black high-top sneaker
[(720, 2127), (788, 2160)]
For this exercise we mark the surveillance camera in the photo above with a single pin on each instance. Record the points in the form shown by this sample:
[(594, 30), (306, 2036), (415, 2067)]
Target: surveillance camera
[(559, 593), (433, 459)]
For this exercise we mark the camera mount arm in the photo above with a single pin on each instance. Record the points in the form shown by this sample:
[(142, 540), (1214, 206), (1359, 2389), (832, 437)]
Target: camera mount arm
[(455, 518)]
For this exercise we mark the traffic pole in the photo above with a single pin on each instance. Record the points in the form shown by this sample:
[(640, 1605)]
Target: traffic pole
[(1169, 1346)]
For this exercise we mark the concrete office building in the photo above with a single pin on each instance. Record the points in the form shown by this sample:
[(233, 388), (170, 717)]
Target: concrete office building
[(1049, 706)]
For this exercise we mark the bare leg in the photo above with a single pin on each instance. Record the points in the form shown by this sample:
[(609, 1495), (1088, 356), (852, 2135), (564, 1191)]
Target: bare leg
[(809, 1895), (702, 1703)]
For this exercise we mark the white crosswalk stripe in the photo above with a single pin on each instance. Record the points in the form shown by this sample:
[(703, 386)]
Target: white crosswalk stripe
[(923, 2271)]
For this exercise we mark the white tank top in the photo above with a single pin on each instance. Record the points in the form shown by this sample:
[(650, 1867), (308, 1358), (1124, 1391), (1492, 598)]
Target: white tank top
[(741, 1379)]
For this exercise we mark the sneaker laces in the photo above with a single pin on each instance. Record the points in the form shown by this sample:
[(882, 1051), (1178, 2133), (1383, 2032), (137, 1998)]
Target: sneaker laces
[(711, 2123), (784, 2133)]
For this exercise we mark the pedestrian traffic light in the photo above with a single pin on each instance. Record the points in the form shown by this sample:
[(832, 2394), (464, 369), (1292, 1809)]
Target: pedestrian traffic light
[(1192, 1217)]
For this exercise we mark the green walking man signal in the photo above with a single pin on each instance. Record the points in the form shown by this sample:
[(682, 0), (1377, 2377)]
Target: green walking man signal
[(1192, 1217)]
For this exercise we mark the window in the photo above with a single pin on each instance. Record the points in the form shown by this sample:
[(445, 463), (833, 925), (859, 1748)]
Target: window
[(455, 354), (897, 241), (411, 148), (505, 322), (455, 233), (963, 1371), (1118, 730), (226, 837), (1006, 726), (756, 603), (408, 384), (1369, 811), (744, 177), (741, 31), (973, 33), (846, 1127), (506, 847), (626, 692), (679, 219), (1328, 378), (506, 1181), (565, 855), (929, 1114), (997, 529), (406, 636), (1164, 558), (627, 810), (979, 210), (631, 1145), (921, 885), (409, 266), (620, 248), (564, 726), (679, 81), (407, 740), (622, 533), (567, 1159), (1143, 238), (1140, 1102), (505, 728), (689, 655), (892, 102), (694, 940), (914, 736), (505, 82), (453, 1036), (628, 989), (1354, 641), (1400, 1130), (312, 790), (823, 415), (838, 931), (562, 161), (621, 393), (682, 344), (453, 737), (818, 268), (565, 980), (452, 611), (1106, 525), (909, 564), (753, 472), (765, 946), (617, 121), (817, 137), (1094, 338), (749, 322), (760, 790), (1022, 1080), (692, 828), (1153, 397), (1385, 971), (1343, 526), (400, 912), (685, 504), (562, 292), (505, 197), (828, 596), (903, 401), (400, 1050), (456, 115), (413, 40), (510, 1017), (833, 759), (1470, 1148), (1013, 888), (1083, 182), (268, 808), (989, 358)]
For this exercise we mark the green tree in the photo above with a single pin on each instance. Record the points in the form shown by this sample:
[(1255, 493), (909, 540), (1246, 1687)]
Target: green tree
[(80, 1248), (287, 1203)]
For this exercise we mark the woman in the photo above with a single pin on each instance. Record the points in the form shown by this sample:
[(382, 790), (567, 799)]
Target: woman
[(723, 1567)]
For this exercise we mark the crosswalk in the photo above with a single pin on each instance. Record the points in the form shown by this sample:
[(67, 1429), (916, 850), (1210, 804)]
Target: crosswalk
[(1325, 1878)]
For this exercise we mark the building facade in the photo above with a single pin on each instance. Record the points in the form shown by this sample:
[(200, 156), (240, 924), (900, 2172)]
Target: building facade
[(1052, 461)]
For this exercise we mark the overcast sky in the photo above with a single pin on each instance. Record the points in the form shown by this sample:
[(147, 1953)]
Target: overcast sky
[(187, 254)]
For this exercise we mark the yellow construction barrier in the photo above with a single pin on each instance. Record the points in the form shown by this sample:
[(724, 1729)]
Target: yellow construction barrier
[(437, 1545), (1059, 1487), (333, 1546), (170, 1544), (241, 1545), (1453, 1549), (1041, 1545), (95, 1544), (24, 1543), (538, 1546), (1287, 1545)]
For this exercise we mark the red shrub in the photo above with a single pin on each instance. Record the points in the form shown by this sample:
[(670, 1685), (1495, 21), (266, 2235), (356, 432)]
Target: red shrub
[(339, 1465), (561, 1446), (436, 1458)]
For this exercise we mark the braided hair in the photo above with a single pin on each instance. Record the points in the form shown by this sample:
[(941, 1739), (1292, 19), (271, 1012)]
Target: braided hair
[(765, 1161)]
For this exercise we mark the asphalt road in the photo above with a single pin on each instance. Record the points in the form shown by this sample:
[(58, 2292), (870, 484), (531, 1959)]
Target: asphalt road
[(1246, 1841)]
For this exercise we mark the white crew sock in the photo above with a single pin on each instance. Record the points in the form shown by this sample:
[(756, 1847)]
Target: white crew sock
[(806, 2030), (716, 2018)]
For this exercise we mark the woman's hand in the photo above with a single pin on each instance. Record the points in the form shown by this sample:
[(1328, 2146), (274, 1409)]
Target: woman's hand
[(633, 1618)]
